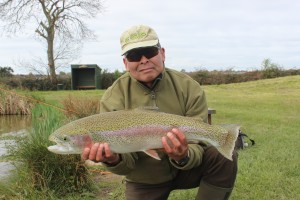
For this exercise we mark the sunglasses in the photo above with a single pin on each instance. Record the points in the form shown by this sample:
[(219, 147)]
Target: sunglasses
[(136, 54)]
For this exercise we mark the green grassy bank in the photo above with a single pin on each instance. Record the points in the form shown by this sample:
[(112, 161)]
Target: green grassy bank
[(268, 111)]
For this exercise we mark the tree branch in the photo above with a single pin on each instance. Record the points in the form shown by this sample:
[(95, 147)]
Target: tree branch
[(59, 20)]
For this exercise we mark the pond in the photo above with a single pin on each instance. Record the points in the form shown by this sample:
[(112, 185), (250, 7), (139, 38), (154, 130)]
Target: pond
[(10, 125), (13, 123)]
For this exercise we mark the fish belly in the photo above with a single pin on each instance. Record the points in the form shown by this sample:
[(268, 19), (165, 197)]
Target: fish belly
[(134, 139)]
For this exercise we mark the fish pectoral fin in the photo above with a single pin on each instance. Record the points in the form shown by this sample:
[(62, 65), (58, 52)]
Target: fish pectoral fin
[(193, 141), (152, 153)]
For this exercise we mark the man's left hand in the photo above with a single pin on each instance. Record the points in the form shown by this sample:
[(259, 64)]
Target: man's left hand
[(175, 144)]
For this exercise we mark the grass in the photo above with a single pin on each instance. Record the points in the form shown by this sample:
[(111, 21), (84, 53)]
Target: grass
[(56, 96), (268, 111), (41, 173)]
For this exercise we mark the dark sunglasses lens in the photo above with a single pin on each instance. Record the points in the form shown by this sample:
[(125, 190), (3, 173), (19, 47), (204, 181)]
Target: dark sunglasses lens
[(136, 55), (150, 52)]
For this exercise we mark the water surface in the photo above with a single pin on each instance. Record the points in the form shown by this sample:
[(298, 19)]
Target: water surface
[(14, 123), (10, 125)]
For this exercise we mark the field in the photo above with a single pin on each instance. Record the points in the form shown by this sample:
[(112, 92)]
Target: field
[(269, 112)]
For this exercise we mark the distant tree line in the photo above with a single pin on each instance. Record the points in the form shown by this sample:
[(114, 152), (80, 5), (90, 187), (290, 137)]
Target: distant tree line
[(203, 77), (268, 70), (6, 72)]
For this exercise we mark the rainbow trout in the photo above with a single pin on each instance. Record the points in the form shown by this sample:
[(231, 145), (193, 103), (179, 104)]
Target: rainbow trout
[(139, 130)]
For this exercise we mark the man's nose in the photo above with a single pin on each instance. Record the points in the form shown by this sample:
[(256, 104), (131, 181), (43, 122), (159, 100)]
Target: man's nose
[(144, 59)]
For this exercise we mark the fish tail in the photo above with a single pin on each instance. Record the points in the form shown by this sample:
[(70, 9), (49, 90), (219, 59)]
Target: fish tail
[(227, 148)]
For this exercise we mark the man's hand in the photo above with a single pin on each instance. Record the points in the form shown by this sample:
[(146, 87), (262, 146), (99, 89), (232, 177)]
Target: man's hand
[(100, 152), (175, 144)]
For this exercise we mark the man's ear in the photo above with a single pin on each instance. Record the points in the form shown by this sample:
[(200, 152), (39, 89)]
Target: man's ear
[(125, 64), (163, 51)]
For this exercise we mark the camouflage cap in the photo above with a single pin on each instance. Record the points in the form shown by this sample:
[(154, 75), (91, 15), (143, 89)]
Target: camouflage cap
[(137, 37)]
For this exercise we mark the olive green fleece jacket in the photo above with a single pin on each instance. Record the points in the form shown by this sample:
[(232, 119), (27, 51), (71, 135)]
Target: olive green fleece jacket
[(173, 92)]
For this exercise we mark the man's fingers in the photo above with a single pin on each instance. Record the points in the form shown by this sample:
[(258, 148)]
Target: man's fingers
[(99, 154), (93, 151), (107, 150), (180, 136), (174, 140), (175, 144), (166, 145), (85, 153)]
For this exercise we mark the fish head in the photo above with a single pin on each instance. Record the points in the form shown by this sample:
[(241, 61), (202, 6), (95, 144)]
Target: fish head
[(67, 143)]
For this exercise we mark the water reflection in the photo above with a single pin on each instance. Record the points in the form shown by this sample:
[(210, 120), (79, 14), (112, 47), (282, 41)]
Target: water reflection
[(14, 123), (10, 124)]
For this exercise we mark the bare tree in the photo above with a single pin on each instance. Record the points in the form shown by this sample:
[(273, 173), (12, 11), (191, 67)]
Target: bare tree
[(64, 53), (58, 21)]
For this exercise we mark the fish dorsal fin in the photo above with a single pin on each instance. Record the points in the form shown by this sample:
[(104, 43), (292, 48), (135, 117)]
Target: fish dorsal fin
[(197, 119), (152, 153)]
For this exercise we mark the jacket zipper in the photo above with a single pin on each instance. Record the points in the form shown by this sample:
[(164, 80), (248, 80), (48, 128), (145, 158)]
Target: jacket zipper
[(152, 94), (153, 97)]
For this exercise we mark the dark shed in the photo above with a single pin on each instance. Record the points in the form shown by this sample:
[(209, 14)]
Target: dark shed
[(85, 77)]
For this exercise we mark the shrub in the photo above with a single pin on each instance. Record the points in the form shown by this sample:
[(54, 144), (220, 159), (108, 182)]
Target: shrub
[(6, 71), (81, 107), (11, 104), (36, 82)]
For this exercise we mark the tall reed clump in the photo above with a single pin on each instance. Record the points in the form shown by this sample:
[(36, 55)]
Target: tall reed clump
[(81, 107), (58, 175), (11, 104)]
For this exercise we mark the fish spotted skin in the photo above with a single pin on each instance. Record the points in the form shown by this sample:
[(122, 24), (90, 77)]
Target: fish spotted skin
[(139, 130)]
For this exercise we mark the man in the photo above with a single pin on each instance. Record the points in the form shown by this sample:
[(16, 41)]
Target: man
[(148, 83)]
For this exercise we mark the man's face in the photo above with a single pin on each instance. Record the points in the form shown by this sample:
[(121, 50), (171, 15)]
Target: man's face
[(145, 64)]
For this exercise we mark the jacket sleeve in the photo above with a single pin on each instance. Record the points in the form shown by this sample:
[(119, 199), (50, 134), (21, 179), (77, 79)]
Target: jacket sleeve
[(196, 105), (125, 166), (196, 154)]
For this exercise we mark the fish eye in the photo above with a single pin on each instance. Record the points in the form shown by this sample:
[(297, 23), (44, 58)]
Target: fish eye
[(65, 138)]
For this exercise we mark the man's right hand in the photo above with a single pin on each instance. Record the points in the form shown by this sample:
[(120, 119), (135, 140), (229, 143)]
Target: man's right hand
[(100, 152)]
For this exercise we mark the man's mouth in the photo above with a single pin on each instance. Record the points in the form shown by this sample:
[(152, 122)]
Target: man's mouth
[(146, 69)]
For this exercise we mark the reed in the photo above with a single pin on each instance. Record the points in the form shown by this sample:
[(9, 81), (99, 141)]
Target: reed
[(79, 107), (11, 104), (40, 170)]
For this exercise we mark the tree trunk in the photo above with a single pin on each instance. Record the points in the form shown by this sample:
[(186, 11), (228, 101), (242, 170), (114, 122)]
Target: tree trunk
[(50, 55)]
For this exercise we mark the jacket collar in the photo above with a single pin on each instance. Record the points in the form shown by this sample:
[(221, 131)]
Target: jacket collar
[(156, 81)]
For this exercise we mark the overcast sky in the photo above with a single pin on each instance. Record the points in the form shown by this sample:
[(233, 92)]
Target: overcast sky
[(197, 34)]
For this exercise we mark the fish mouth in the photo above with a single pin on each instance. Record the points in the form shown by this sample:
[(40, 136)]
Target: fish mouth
[(64, 149)]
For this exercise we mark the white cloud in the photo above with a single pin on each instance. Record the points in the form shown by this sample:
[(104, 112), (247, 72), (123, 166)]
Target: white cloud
[(214, 34)]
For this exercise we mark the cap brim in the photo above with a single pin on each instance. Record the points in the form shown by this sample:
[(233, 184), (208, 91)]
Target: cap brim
[(131, 46)]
